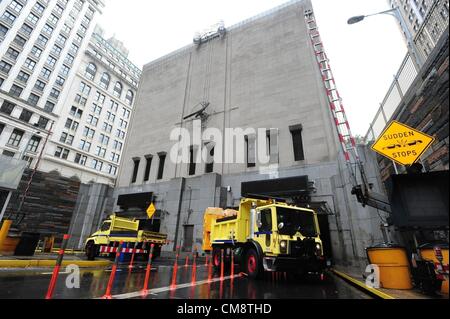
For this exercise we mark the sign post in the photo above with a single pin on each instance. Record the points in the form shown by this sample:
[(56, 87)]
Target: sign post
[(402, 144)]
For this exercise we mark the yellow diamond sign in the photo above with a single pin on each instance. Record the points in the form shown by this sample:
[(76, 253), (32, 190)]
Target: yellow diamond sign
[(151, 210), (402, 143)]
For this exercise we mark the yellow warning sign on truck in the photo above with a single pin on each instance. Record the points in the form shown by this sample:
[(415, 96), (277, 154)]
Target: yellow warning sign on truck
[(402, 143)]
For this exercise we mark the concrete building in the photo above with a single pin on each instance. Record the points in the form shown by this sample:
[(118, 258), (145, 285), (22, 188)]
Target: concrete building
[(94, 117), (56, 72), (261, 73), (40, 46), (426, 21)]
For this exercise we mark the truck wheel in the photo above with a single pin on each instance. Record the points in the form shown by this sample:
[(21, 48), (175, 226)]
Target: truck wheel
[(253, 264), (216, 258), (91, 250)]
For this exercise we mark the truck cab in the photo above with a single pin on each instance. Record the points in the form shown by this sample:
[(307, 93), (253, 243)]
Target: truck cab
[(118, 229), (269, 235)]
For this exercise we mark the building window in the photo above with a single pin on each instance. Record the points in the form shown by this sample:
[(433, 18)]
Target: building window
[(25, 116), (74, 111), (33, 99), (2, 127), (43, 122), (297, 141), (15, 6), (112, 170), (39, 85), (42, 40), (118, 90), (115, 157), (84, 88), (130, 97), (26, 29), (45, 73), (60, 81), (5, 67), (8, 153), (8, 17), (136, 162), (3, 30), (36, 52), (85, 146), (192, 164), (49, 106), (210, 160), (23, 77), (30, 64), (250, 151), (97, 165), (34, 144), (32, 18), (12, 54), (15, 138), (148, 167), (19, 41), (7, 107), (104, 81), (162, 162), (80, 159), (62, 153), (54, 93), (16, 90), (88, 132), (91, 70)]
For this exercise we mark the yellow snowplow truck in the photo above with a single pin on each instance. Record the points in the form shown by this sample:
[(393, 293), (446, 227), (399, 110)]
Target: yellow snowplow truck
[(268, 235), (115, 230)]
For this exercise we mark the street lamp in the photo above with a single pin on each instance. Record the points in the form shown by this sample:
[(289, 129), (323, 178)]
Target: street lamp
[(395, 12)]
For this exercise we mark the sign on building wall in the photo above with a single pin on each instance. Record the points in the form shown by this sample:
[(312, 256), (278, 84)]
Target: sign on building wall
[(402, 144)]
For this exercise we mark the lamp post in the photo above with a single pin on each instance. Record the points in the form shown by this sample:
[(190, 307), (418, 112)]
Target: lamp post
[(395, 12)]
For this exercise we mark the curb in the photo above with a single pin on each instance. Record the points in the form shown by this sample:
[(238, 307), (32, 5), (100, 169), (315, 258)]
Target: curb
[(52, 263), (361, 286)]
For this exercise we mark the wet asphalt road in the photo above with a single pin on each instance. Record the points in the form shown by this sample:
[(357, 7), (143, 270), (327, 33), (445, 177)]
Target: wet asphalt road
[(33, 284)]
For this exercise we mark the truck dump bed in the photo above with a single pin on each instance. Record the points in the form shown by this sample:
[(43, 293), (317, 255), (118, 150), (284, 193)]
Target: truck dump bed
[(120, 224)]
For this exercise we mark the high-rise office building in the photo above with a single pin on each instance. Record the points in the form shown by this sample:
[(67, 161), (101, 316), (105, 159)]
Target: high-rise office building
[(61, 79), (425, 20)]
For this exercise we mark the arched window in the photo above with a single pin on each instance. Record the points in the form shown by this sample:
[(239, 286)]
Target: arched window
[(91, 70), (104, 81), (130, 97), (118, 89)]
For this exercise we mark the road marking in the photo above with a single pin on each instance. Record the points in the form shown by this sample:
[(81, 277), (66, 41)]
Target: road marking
[(169, 288)]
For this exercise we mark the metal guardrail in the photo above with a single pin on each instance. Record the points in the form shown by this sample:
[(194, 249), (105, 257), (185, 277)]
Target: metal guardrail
[(425, 40), (401, 84)]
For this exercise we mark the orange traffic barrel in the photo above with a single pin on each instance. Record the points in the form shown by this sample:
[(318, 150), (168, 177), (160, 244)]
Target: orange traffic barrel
[(393, 264), (427, 253)]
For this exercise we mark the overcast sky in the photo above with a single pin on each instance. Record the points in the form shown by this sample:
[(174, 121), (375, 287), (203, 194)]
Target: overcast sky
[(364, 57)]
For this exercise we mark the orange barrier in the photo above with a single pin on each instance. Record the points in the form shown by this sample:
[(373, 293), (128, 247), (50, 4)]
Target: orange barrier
[(113, 272), (55, 275), (175, 270), (149, 269)]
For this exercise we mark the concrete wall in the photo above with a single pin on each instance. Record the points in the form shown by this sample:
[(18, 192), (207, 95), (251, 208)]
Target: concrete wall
[(263, 75), (94, 202)]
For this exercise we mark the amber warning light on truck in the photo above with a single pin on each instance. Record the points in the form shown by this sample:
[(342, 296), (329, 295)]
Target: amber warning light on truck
[(402, 143)]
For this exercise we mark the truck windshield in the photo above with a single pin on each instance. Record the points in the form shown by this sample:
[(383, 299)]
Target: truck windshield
[(105, 226), (296, 221)]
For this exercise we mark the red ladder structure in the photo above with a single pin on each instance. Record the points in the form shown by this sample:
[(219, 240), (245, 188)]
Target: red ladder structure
[(346, 138)]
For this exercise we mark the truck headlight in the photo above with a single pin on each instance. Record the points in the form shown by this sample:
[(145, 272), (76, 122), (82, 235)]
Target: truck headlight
[(283, 246), (318, 249)]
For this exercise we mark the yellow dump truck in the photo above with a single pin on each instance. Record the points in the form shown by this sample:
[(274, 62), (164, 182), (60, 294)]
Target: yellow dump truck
[(269, 235), (117, 229)]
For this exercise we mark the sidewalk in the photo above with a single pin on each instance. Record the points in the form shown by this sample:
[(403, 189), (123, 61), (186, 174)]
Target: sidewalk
[(49, 260), (395, 294)]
